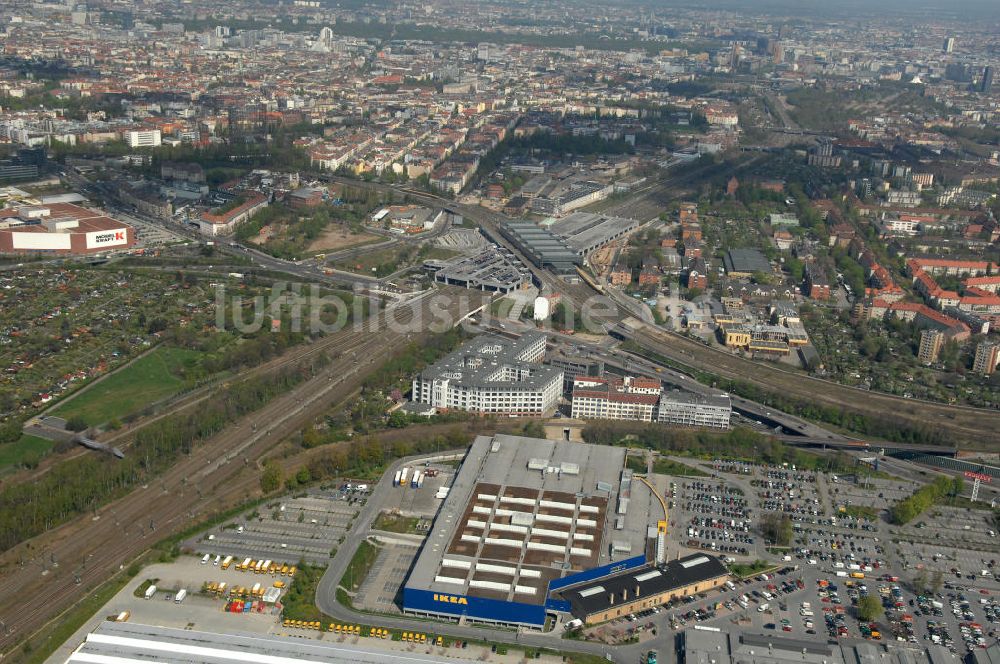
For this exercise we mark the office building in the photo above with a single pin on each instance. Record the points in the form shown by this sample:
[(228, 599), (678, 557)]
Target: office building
[(613, 398), (931, 342), (949, 45), (493, 375), (695, 410), (986, 82)]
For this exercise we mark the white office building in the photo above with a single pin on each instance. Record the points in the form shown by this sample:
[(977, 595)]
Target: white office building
[(493, 375), (695, 410), (613, 398), (147, 138)]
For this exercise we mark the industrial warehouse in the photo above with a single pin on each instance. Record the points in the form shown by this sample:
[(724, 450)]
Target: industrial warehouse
[(532, 527), (61, 228), (124, 643), (586, 231)]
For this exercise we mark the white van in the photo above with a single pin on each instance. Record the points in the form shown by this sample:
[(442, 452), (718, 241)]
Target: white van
[(204, 560), (763, 607)]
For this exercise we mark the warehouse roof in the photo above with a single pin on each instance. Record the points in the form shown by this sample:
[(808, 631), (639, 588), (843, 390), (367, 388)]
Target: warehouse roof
[(746, 261), (114, 642), (521, 493), (597, 596)]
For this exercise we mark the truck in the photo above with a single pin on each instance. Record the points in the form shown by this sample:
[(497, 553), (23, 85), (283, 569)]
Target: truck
[(417, 479), (205, 558), (395, 480), (150, 591), (181, 594), (404, 478), (763, 607), (218, 558)]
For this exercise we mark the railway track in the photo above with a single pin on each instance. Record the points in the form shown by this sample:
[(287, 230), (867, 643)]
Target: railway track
[(43, 573), (961, 425)]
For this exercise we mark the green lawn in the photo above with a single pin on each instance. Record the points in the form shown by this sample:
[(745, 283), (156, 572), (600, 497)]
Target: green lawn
[(145, 381), (670, 467), (25, 449), (392, 523), (362, 561)]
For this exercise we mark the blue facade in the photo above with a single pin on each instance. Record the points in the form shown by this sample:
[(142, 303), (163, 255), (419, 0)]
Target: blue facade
[(416, 599), (597, 572)]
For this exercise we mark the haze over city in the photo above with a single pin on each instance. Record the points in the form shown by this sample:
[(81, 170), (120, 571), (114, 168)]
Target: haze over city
[(494, 331)]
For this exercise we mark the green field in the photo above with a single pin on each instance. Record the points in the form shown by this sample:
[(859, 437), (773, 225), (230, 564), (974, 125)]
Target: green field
[(25, 449), (145, 381)]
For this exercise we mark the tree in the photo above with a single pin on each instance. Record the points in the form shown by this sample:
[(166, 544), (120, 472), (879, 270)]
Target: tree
[(937, 581), (920, 581), (76, 423), (777, 528), (272, 477), (869, 608)]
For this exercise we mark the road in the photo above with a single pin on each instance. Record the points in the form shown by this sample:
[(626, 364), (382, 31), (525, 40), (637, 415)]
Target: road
[(52, 571)]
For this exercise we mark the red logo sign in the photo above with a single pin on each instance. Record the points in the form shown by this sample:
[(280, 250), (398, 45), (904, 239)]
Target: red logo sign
[(982, 477)]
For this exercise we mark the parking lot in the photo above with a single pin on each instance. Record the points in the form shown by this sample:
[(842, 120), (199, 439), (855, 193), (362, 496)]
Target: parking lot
[(934, 578), (308, 527), (381, 588)]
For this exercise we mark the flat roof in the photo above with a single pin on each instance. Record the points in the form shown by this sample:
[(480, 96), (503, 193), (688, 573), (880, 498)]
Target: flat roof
[(708, 646), (494, 362), (585, 231), (505, 498), (126, 643), (746, 260)]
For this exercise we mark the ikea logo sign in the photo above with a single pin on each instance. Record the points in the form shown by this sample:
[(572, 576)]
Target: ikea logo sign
[(450, 599)]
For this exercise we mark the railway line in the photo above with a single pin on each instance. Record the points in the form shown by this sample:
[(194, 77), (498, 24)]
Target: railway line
[(963, 426), (48, 573), (290, 357)]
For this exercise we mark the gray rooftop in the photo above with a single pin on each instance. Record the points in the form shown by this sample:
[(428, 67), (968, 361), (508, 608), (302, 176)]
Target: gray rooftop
[(130, 642), (491, 269), (746, 260), (490, 361), (704, 646), (585, 231), (503, 461)]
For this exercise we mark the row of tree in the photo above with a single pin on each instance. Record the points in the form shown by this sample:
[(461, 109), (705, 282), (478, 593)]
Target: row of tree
[(914, 505), (77, 486)]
